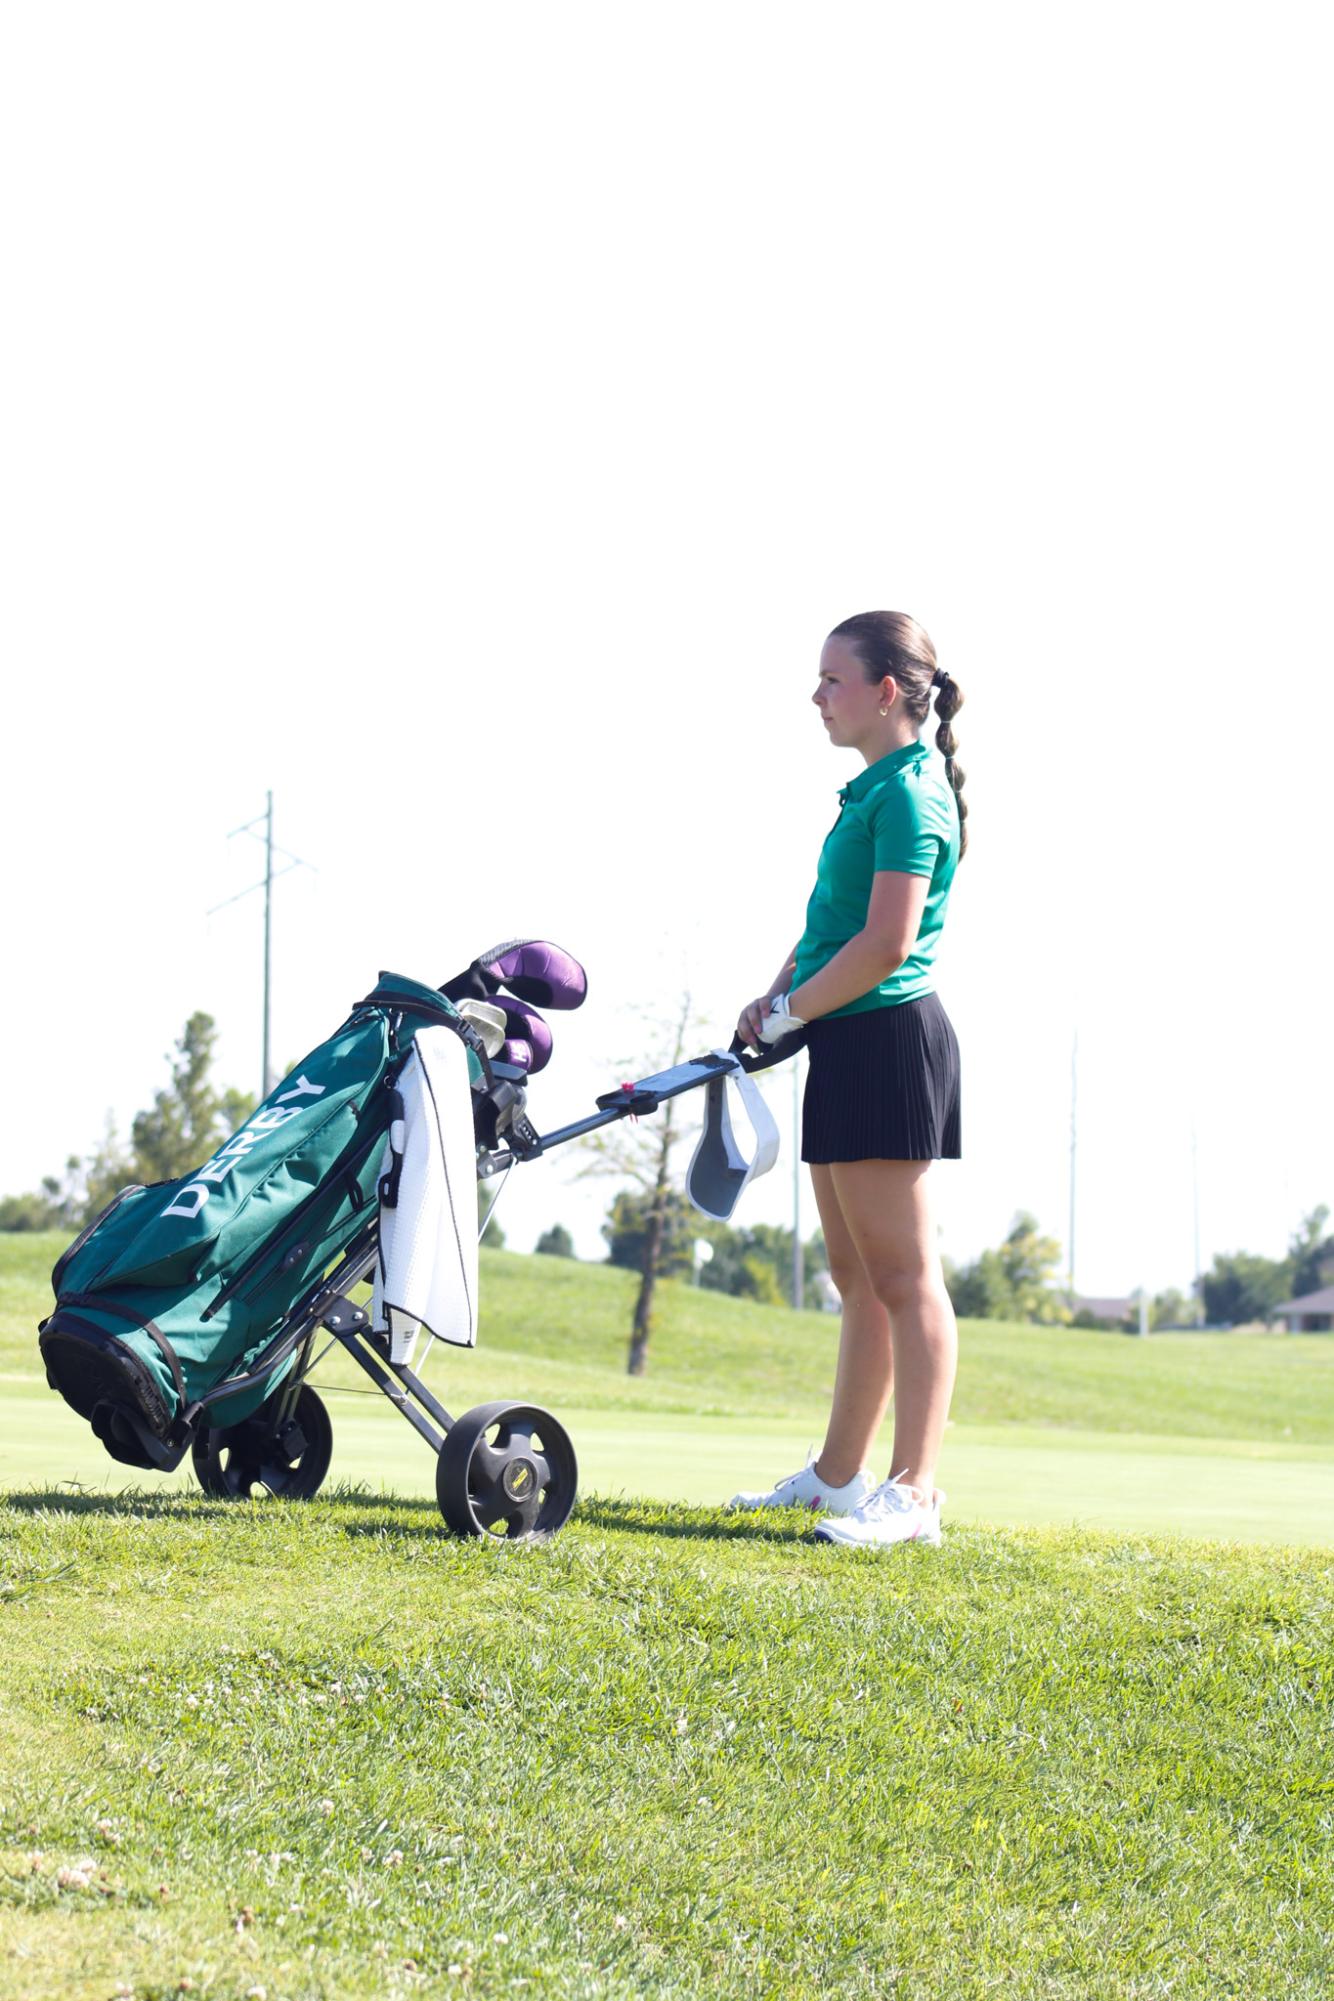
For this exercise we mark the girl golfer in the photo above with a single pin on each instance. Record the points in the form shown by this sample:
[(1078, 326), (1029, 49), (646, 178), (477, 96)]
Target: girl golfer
[(882, 1093)]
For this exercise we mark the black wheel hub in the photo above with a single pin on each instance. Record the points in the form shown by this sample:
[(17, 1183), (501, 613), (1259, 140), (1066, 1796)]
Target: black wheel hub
[(506, 1470), (520, 1479)]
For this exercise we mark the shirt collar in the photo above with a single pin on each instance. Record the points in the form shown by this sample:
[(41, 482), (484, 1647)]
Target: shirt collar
[(858, 787)]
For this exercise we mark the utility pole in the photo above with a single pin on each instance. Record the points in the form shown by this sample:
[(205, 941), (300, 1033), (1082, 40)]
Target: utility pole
[(1195, 1204), (290, 861), (1074, 1136), (798, 1261)]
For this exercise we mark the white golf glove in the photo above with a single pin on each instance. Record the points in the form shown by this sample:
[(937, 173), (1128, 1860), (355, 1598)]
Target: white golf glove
[(778, 1022)]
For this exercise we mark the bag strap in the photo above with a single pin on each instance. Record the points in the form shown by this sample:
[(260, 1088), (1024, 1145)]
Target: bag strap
[(439, 1012), (388, 1183), (389, 997)]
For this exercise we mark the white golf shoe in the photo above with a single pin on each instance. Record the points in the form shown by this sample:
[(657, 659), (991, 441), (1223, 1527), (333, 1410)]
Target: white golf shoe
[(890, 1513), (807, 1490)]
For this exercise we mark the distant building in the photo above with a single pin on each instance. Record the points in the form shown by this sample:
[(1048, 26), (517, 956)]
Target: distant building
[(1103, 1312), (1313, 1313)]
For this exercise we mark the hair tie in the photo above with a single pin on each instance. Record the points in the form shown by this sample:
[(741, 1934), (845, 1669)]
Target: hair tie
[(939, 678)]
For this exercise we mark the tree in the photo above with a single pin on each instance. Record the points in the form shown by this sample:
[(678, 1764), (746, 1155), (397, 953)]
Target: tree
[(978, 1290), (556, 1242), (1241, 1287), (756, 1263), (190, 1119), (1013, 1282), (39, 1211), (629, 1226), (740, 1266), (1310, 1255), (643, 1155), (1171, 1309), (96, 1181), (186, 1122)]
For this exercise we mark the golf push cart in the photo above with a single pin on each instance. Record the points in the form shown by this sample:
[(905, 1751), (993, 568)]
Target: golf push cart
[(191, 1315)]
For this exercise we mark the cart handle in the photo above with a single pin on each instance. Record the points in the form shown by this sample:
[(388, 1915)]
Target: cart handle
[(633, 1101)]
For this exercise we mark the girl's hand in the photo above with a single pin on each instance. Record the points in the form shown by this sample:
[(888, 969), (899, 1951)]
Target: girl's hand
[(750, 1018), (780, 1020)]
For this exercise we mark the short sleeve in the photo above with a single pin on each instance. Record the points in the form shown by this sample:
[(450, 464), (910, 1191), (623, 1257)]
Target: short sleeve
[(899, 832)]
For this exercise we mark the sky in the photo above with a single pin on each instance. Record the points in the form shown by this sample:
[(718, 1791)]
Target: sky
[(466, 424)]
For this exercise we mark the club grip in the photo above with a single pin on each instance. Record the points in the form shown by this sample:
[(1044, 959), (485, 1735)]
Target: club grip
[(779, 1053)]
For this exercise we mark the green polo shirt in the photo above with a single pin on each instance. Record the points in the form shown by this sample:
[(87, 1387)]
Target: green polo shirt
[(898, 814)]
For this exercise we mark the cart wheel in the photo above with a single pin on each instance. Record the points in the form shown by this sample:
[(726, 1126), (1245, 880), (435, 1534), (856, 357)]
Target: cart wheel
[(506, 1470), (251, 1458)]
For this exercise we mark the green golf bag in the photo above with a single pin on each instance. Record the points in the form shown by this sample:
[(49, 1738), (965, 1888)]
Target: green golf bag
[(175, 1290)]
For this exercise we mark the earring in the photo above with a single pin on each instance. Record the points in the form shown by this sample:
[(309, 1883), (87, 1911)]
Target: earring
[(884, 708)]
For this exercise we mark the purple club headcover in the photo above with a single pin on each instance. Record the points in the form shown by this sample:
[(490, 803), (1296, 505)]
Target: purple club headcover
[(529, 1043), (538, 972)]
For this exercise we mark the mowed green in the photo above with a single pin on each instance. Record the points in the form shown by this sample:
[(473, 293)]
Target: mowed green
[(1230, 1436), (326, 1750)]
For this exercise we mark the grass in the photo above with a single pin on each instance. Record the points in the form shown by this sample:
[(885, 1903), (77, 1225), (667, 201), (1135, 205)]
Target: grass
[(1230, 1435), (558, 1328), (325, 1750), (1266, 1492)]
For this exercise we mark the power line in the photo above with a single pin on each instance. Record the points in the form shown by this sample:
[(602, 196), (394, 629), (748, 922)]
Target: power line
[(271, 875)]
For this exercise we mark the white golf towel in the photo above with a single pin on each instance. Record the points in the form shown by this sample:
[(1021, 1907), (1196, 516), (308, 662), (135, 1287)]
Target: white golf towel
[(719, 1170), (427, 1272)]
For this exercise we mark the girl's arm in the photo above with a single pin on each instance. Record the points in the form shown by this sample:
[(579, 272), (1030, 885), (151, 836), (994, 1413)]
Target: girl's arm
[(782, 979), (879, 949)]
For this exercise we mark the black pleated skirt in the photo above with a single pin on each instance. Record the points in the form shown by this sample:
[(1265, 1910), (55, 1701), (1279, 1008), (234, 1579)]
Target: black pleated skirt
[(883, 1085)]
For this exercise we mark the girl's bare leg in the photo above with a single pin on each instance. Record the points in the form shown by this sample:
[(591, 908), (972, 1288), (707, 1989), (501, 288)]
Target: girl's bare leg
[(885, 1213), (865, 1374)]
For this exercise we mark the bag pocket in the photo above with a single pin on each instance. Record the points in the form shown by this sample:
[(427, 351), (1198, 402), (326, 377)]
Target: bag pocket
[(129, 1244), (285, 1244), (68, 1255)]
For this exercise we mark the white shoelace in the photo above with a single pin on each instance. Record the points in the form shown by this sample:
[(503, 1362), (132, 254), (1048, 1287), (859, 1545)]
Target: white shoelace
[(889, 1498), (791, 1479)]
